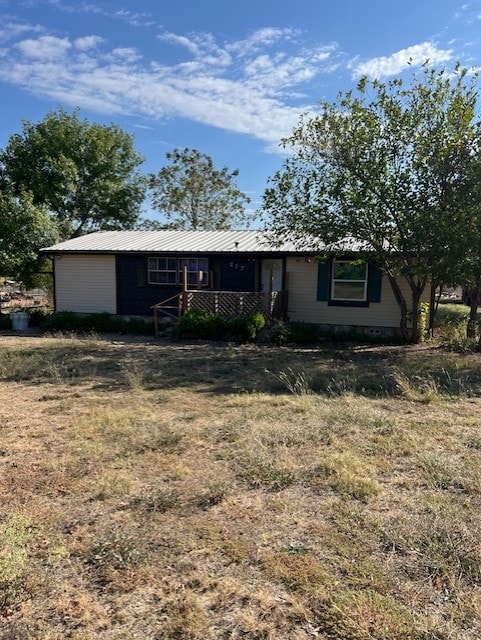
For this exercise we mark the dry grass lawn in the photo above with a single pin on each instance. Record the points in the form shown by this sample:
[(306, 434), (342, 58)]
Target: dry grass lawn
[(195, 491)]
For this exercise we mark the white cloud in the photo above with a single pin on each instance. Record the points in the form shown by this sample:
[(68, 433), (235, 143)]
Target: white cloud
[(14, 29), (203, 47), (127, 54), (242, 87), (44, 48), (261, 38), (183, 41), (87, 42), (398, 62)]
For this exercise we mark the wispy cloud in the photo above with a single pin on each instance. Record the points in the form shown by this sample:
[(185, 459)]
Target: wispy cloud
[(249, 86), (12, 29), (398, 62), (136, 19)]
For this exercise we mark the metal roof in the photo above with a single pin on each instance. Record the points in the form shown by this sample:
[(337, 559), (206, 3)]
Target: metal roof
[(175, 242)]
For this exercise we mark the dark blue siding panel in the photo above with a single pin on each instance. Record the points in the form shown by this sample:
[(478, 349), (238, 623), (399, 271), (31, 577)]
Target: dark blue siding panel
[(134, 295), (323, 280), (237, 274), (374, 283)]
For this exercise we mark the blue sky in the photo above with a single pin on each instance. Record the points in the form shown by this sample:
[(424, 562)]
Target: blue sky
[(228, 78)]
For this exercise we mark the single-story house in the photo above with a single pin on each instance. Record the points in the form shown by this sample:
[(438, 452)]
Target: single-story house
[(133, 273)]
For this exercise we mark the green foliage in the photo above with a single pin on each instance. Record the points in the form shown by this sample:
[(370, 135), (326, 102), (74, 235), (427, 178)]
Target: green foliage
[(19, 252), (116, 550), (204, 325), (191, 194), (424, 319), (98, 322), (201, 324), (296, 333), (246, 328), (450, 325), (452, 314), (84, 173)]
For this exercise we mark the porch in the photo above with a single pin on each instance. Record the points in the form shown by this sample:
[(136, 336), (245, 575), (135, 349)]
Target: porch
[(230, 304)]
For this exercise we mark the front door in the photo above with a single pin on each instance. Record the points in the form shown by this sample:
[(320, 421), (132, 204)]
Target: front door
[(271, 277)]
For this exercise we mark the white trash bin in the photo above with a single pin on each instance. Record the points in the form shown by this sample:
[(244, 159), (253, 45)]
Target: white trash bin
[(19, 320)]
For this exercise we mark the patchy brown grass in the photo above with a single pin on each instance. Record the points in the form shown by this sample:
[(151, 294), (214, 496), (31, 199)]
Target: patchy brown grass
[(194, 491)]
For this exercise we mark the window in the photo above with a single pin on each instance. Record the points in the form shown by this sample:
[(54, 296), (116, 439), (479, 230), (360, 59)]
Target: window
[(165, 270), (349, 281), (194, 267), (162, 270)]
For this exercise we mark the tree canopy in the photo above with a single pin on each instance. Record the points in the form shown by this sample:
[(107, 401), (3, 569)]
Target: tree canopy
[(85, 174), (24, 229), (386, 166), (192, 194)]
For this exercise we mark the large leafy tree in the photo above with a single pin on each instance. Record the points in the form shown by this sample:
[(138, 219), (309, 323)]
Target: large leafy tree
[(86, 174), (24, 229), (192, 194), (385, 166), (466, 245)]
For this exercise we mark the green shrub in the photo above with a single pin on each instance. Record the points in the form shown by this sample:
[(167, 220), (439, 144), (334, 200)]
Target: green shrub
[(204, 325), (303, 333), (451, 321), (62, 321), (294, 332), (36, 317), (246, 328), (201, 324), (98, 322), (5, 322)]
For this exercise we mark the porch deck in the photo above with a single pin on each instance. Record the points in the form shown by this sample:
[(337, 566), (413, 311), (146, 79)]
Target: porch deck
[(229, 304)]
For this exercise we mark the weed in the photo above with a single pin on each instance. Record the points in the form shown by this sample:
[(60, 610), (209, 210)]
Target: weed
[(214, 495), (298, 571), (112, 484), (15, 535), (136, 376), (366, 615), (444, 472), (296, 382), (260, 472), (158, 501), (116, 549), (346, 475)]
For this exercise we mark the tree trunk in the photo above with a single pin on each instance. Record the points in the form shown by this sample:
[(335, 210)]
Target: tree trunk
[(473, 295), (401, 303)]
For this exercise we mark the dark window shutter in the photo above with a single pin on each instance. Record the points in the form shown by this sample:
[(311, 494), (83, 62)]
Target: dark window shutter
[(374, 283), (323, 275)]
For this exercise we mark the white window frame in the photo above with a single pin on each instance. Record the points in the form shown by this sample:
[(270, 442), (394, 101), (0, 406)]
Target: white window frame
[(173, 270), (176, 266), (335, 280)]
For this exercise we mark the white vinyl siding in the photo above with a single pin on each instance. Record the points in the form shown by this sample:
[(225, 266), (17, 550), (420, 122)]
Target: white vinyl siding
[(303, 305), (85, 284)]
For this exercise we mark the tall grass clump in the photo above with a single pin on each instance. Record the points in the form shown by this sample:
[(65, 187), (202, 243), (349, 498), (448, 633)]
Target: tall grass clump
[(296, 382)]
